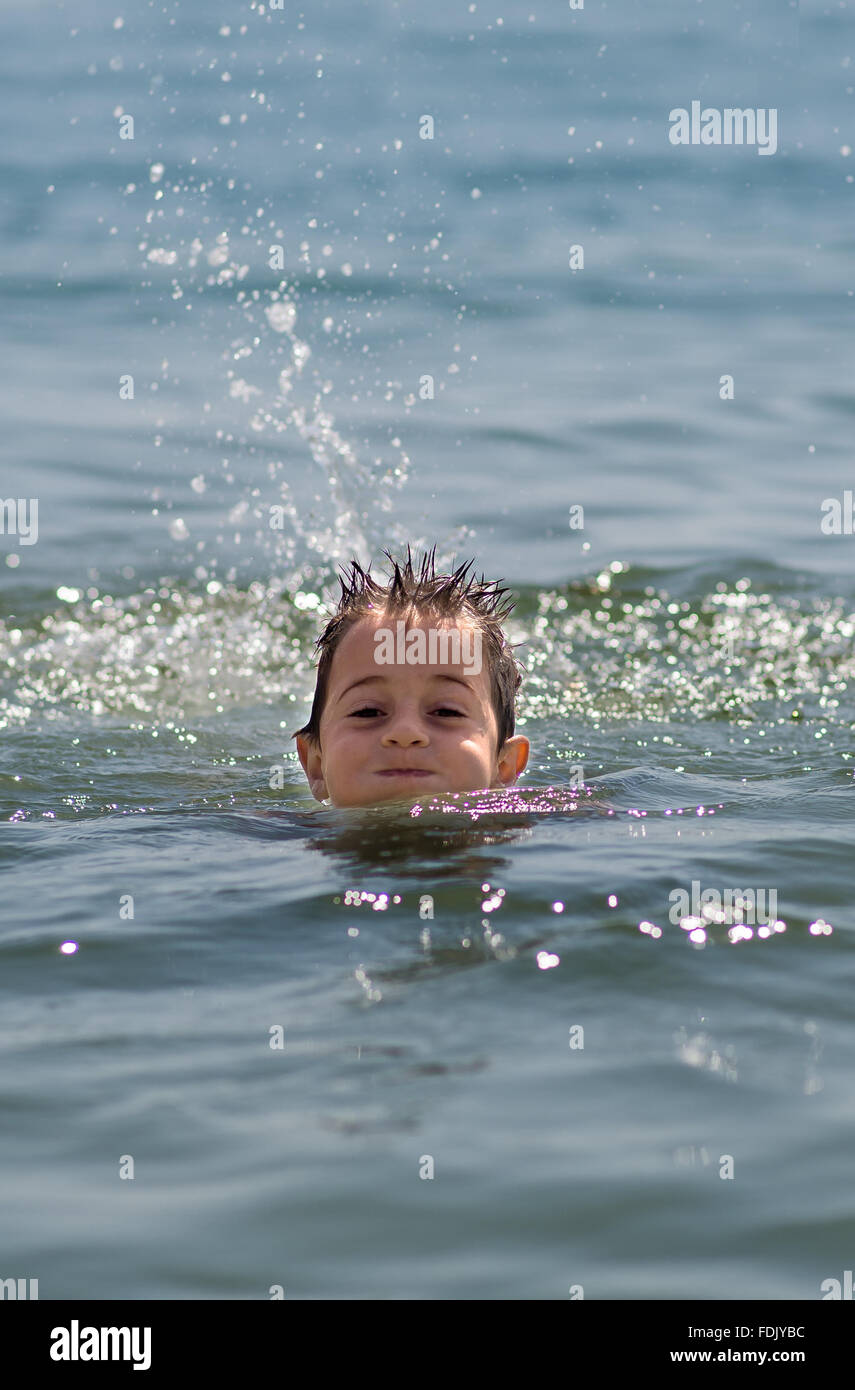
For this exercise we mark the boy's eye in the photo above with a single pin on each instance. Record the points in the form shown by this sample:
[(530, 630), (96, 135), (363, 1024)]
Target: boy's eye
[(371, 710)]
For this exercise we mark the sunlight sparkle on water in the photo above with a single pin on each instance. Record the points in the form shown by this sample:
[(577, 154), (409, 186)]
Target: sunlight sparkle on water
[(545, 961)]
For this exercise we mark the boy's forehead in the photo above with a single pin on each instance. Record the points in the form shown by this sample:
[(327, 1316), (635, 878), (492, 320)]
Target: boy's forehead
[(359, 648)]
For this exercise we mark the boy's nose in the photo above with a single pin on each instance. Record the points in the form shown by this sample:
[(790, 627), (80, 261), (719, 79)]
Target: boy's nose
[(406, 732)]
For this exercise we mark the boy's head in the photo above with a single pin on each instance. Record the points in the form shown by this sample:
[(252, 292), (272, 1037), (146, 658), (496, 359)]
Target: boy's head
[(415, 689)]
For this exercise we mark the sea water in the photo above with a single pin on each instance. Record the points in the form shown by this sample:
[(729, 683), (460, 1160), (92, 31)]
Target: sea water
[(458, 1048)]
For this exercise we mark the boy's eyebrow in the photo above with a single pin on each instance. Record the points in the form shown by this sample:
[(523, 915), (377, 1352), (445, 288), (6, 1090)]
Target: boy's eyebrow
[(458, 680), (437, 676), (363, 681)]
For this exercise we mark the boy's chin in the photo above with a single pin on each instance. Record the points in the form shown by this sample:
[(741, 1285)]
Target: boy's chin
[(401, 797), (407, 793)]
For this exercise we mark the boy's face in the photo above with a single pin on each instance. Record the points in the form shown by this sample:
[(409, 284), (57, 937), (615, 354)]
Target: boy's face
[(397, 731)]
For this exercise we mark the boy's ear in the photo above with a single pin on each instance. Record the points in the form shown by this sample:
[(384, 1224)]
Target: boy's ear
[(309, 754), (513, 759)]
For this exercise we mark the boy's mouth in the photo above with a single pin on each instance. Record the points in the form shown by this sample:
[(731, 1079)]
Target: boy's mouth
[(405, 772)]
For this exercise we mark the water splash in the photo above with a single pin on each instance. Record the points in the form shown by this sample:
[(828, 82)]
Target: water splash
[(613, 648), (600, 651)]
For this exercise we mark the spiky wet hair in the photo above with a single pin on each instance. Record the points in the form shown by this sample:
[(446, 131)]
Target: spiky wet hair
[(429, 595)]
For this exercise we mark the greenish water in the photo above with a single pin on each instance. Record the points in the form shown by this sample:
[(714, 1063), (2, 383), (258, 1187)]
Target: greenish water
[(423, 1013)]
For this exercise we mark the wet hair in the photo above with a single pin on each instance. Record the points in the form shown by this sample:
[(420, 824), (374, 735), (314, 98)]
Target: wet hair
[(429, 595)]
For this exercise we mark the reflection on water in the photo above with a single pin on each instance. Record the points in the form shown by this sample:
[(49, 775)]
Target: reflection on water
[(419, 837)]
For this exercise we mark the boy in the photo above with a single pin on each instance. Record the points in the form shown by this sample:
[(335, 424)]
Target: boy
[(415, 690)]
